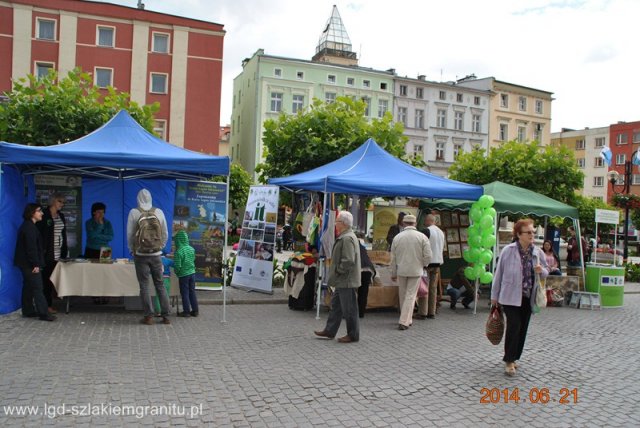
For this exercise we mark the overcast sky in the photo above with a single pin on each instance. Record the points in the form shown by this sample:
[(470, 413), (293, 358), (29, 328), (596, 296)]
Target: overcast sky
[(584, 51)]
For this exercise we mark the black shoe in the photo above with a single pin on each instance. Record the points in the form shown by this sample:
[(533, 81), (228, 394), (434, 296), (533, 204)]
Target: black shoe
[(431, 317), (466, 305), (184, 314), (33, 315), (453, 305), (47, 318), (194, 313), (421, 317), (403, 327)]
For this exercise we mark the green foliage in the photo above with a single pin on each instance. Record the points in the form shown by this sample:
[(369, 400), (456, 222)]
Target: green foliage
[(239, 182), (587, 213), (48, 111), (550, 171), (323, 133), (632, 272)]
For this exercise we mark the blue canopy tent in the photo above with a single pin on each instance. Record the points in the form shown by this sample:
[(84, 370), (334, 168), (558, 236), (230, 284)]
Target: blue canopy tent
[(372, 171), (115, 161)]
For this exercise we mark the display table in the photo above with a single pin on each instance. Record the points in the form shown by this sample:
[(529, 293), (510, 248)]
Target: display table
[(100, 279), (608, 281)]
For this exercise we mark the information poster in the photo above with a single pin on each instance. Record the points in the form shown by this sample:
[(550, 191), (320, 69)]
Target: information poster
[(383, 218), (71, 187), (200, 210), (254, 260)]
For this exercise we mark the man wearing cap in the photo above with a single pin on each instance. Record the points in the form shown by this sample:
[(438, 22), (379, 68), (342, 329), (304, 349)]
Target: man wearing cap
[(410, 254), (427, 305), (395, 229)]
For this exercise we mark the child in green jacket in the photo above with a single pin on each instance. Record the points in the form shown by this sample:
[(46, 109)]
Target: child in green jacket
[(184, 266)]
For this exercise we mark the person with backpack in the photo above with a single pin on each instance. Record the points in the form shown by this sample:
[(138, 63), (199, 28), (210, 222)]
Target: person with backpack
[(147, 235), (184, 265)]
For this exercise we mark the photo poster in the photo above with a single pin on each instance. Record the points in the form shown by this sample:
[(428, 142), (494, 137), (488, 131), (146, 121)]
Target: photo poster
[(71, 187), (254, 259), (383, 218), (200, 210)]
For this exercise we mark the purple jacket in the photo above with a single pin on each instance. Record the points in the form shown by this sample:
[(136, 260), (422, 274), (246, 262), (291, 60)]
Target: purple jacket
[(507, 279)]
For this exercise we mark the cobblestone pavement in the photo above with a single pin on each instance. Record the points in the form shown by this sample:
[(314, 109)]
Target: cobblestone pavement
[(264, 368)]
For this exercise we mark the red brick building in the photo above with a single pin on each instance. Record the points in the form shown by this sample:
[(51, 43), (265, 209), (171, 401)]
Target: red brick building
[(624, 140), (153, 56)]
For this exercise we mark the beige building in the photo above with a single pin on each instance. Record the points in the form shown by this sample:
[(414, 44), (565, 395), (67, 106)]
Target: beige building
[(516, 112), (587, 144)]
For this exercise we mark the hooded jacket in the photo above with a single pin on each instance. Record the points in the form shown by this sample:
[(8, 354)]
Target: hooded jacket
[(185, 256), (144, 204)]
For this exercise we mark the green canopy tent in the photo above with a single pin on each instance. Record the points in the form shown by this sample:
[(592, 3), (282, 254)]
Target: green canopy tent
[(511, 199)]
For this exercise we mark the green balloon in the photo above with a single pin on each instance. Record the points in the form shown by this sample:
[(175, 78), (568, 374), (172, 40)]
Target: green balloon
[(486, 278), (466, 255), (486, 201), (485, 256), (487, 232), (468, 272), (475, 241), (475, 213), (486, 222), (488, 241), (474, 254), (472, 231), (490, 211), (478, 270)]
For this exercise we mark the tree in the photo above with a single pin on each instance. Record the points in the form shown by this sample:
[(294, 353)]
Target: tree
[(323, 133), (239, 183), (550, 171), (47, 111), (587, 211)]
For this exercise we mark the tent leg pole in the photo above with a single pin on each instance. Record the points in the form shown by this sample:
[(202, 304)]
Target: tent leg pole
[(224, 257)]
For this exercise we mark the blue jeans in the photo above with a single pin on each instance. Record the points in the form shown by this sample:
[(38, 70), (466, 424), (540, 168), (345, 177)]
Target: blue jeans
[(188, 293), (151, 267), (455, 294)]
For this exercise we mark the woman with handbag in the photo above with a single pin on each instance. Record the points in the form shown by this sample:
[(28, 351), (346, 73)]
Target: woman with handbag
[(515, 285)]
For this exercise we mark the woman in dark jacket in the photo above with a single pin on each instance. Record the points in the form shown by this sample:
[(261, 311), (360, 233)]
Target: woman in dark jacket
[(54, 234), (29, 257), (367, 272)]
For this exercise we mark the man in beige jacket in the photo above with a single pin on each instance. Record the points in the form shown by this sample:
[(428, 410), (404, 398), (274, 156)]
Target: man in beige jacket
[(410, 254)]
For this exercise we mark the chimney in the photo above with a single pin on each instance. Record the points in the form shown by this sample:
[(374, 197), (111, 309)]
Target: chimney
[(421, 77), (140, 5)]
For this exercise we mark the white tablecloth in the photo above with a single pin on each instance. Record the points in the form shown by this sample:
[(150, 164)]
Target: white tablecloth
[(100, 279)]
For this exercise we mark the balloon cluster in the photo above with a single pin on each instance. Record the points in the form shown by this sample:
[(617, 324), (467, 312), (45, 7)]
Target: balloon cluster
[(481, 239)]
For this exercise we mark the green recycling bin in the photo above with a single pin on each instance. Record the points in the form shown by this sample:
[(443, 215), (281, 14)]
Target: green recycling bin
[(608, 281)]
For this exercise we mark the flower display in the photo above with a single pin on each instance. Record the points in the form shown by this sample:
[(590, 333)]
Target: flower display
[(626, 201)]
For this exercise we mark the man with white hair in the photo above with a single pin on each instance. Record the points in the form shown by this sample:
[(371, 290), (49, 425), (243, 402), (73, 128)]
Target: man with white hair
[(410, 254), (344, 276), (427, 305)]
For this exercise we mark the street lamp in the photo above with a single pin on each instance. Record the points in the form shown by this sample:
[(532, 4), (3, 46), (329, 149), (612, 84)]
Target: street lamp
[(614, 177)]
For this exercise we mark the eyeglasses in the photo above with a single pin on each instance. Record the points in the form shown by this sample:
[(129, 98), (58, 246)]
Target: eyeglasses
[(528, 232)]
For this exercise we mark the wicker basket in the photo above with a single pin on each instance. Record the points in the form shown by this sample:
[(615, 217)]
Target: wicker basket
[(494, 328)]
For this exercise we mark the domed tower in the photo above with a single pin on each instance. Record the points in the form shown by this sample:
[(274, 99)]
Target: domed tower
[(334, 45)]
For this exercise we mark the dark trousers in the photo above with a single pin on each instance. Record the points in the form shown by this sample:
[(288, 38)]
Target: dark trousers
[(344, 304), (363, 292), (516, 332), (49, 288), (188, 293), (33, 300)]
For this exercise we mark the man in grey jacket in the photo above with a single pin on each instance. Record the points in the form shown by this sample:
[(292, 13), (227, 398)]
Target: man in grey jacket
[(344, 276)]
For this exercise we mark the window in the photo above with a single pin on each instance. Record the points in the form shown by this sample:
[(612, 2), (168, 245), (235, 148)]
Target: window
[(457, 149), (330, 97), (442, 118), (45, 29), (419, 93), (103, 77), (402, 115), (160, 43), (419, 122), (276, 101), (160, 129), (459, 98), (636, 137), (580, 145), (159, 83), (383, 106), (598, 181), (600, 142), (539, 106), (522, 103), (504, 100), (300, 75), (537, 132), (418, 150), (598, 162), (366, 83), (580, 163), (522, 133), (403, 90), (458, 120), (331, 79), (621, 158), (367, 108), (298, 103), (442, 95), (383, 86), (277, 72), (504, 132), (635, 179), (476, 101), (351, 81), (621, 139), (105, 36), (440, 151), (475, 123), (42, 69)]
